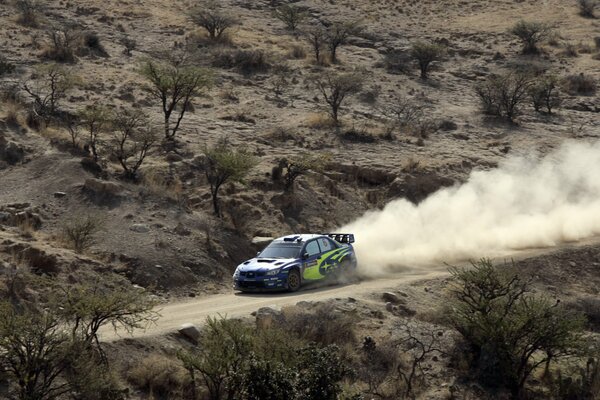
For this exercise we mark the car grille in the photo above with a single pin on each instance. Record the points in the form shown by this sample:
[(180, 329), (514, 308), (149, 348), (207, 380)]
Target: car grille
[(252, 285), (252, 274)]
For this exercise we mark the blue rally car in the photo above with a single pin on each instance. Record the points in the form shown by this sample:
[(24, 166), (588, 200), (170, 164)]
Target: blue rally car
[(291, 261)]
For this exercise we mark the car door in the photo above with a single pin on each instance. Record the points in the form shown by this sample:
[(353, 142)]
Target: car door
[(327, 262), (310, 263)]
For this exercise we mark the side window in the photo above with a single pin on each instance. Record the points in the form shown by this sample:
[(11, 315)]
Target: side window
[(326, 245), (312, 248)]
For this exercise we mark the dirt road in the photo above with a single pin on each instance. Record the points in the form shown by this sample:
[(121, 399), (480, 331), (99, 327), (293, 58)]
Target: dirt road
[(173, 315)]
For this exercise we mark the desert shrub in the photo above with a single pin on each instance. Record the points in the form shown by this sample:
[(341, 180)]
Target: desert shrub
[(316, 36), (224, 164), (402, 114), (397, 61), (159, 376), (80, 232), (48, 87), (214, 20), (95, 119), (64, 41), (297, 52), (29, 10), (580, 84), (325, 326), (129, 45), (425, 54), (544, 93), (376, 367), (93, 45), (246, 61), (504, 95), (587, 8), (292, 16), (570, 50), (321, 373), (268, 380), (222, 349), (133, 139), (6, 67), (510, 332), (581, 381), (337, 34), (174, 86), (590, 307), (335, 88), (597, 42), (293, 167), (358, 135), (531, 34)]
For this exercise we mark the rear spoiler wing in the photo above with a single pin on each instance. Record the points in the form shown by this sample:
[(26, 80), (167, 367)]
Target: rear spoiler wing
[(341, 237)]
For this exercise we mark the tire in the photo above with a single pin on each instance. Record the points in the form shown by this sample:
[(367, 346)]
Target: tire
[(294, 281)]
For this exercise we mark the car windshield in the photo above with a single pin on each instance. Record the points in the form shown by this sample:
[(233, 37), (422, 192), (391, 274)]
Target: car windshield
[(281, 250)]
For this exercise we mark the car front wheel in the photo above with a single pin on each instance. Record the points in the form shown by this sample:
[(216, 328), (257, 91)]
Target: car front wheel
[(293, 281)]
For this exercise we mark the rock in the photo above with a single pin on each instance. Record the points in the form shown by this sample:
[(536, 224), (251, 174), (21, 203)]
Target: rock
[(173, 157), (189, 331), (181, 230), (140, 228), (573, 264), (391, 297), (4, 216), (102, 188), (448, 125), (389, 306), (12, 153), (405, 311), (59, 195), (90, 165), (267, 316), (262, 239)]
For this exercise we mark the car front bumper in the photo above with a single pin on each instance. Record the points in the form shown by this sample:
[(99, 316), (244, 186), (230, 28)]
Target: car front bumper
[(260, 283)]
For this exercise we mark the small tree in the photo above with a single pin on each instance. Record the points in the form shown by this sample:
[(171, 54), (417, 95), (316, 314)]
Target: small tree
[(34, 352), (292, 16), (95, 119), (402, 113), (321, 371), (294, 167), (64, 40), (510, 332), (47, 87), (213, 20), (224, 164), (175, 86), (88, 307), (425, 54), (531, 34), (316, 36), (503, 95), (222, 349), (336, 88), (544, 93), (133, 138), (80, 231), (338, 34), (265, 379), (29, 10), (587, 8)]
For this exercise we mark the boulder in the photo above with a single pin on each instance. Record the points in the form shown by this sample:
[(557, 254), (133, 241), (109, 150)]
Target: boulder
[(266, 317), (12, 153), (391, 297), (189, 331), (102, 188), (139, 228)]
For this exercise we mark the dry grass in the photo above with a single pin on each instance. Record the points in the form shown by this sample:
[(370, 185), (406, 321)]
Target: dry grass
[(159, 377), (320, 121)]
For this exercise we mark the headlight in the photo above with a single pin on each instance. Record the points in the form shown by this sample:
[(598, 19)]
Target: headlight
[(273, 272), (237, 272)]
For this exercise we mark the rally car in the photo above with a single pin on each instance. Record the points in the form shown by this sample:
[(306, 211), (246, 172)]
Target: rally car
[(289, 262)]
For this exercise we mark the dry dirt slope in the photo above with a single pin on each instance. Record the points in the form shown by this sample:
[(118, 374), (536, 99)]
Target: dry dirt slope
[(153, 241)]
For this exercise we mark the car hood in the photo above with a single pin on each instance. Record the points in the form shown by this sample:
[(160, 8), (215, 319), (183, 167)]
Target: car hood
[(265, 264)]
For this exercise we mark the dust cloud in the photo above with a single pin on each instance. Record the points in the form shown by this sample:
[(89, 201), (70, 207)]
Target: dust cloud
[(527, 202)]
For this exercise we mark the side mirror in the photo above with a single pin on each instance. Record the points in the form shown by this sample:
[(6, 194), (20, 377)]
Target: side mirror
[(305, 256), (258, 254)]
